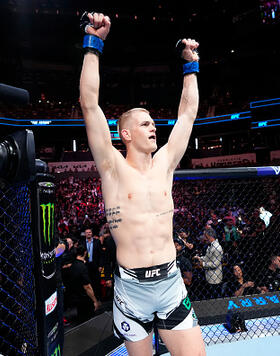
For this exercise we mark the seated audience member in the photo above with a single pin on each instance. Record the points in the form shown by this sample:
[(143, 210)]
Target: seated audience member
[(80, 290), (212, 264), (240, 284), (271, 278), (183, 262)]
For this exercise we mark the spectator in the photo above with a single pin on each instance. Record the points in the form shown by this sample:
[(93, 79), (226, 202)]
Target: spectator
[(217, 225), (108, 250), (66, 262), (75, 233), (81, 292), (271, 277), (183, 263), (187, 242), (240, 284), (94, 263), (265, 216), (212, 264), (231, 237)]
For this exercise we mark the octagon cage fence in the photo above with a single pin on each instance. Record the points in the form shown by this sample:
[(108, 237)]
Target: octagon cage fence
[(226, 229), (229, 219)]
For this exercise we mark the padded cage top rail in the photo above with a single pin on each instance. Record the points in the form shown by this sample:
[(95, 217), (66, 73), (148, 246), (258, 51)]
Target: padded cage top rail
[(235, 172)]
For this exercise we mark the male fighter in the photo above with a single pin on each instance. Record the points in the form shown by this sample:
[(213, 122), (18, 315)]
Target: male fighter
[(149, 289)]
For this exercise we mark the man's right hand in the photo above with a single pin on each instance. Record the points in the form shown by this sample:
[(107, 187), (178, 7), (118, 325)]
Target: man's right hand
[(100, 25), (97, 305)]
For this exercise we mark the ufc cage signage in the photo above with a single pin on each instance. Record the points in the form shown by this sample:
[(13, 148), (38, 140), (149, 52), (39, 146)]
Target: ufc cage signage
[(45, 273), (251, 306)]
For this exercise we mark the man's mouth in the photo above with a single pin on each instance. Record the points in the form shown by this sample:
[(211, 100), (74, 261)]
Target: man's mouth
[(152, 137)]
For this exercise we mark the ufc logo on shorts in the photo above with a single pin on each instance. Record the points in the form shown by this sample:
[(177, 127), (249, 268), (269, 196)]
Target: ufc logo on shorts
[(152, 273)]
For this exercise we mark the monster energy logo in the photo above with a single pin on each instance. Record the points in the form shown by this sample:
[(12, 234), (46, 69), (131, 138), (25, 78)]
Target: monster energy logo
[(56, 351), (48, 221)]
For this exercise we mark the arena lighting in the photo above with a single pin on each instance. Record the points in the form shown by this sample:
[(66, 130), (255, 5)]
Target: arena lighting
[(17, 157), (265, 123), (262, 103)]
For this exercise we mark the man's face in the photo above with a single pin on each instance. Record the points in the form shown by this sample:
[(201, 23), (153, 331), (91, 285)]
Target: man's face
[(237, 271), (143, 132), (183, 235), (206, 238), (88, 234), (178, 247), (70, 242), (277, 262), (229, 223)]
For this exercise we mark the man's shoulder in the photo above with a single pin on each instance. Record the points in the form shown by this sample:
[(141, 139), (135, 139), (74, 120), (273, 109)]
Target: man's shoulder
[(271, 274)]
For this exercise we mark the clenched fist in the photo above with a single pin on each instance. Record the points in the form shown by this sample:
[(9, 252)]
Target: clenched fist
[(189, 53), (99, 25)]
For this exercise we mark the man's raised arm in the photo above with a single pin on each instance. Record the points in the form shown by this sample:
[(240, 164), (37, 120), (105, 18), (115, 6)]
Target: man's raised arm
[(180, 134), (97, 27)]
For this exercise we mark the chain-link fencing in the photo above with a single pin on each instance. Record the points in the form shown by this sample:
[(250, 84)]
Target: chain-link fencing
[(226, 232), (17, 307)]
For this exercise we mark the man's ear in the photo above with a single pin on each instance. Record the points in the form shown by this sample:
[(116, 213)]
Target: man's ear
[(126, 134)]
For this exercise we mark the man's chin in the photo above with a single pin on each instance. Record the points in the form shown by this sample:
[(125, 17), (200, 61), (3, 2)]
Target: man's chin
[(154, 148)]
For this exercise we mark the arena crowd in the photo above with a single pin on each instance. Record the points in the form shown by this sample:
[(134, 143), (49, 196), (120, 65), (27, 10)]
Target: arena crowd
[(226, 235)]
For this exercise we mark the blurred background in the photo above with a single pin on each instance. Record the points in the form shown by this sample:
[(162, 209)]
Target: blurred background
[(239, 50)]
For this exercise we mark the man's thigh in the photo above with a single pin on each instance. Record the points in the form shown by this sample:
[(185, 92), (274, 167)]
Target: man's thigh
[(140, 348), (187, 342)]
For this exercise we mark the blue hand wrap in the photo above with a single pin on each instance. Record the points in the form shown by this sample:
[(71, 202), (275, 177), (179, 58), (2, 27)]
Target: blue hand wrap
[(190, 67), (93, 42)]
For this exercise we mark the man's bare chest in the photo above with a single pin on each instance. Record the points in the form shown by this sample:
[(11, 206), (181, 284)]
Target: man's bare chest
[(130, 187)]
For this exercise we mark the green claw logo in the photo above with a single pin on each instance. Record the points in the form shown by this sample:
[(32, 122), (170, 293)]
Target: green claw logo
[(187, 303), (48, 222), (56, 351)]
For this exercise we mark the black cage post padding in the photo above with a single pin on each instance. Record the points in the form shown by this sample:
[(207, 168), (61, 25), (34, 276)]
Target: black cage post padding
[(44, 243), (30, 320)]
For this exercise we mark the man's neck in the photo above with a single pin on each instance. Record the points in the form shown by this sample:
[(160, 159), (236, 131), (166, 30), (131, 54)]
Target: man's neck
[(139, 160)]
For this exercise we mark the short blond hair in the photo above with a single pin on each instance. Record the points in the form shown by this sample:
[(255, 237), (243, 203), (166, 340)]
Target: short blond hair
[(126, 116)]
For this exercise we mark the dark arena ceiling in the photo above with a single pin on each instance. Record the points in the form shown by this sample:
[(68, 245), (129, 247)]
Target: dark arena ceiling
[(239, 42)]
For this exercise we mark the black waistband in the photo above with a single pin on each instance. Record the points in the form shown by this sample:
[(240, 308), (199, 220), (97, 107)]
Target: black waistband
[(146, 274)]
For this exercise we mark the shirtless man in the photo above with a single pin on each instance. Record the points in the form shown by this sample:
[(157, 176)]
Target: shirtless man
[(149, 289)]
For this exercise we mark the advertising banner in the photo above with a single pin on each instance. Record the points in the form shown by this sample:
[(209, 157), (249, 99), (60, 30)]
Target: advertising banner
[(224, 161), (84, 166), (45, 274)]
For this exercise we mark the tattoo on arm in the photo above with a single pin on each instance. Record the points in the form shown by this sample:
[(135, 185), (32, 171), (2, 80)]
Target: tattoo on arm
[(113, 219)]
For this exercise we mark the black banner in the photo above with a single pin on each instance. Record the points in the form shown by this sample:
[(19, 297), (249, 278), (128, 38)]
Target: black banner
[(251, 306)]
